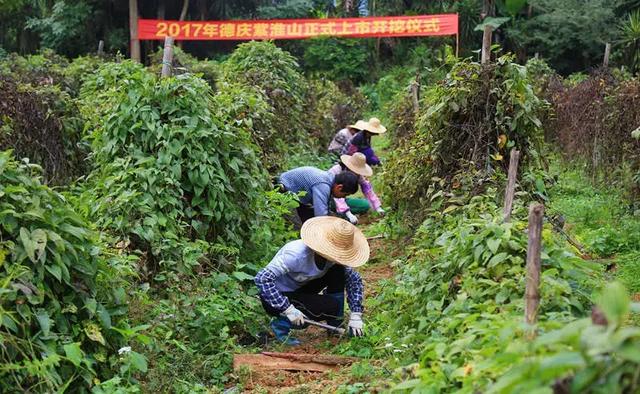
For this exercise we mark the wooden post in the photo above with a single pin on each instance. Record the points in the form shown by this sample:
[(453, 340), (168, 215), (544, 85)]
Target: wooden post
[(511, 184), (486, 44), (534, 248), (415, 98), (133, 30), (537, 55), (607, 52), (167, 57), (100, 47)]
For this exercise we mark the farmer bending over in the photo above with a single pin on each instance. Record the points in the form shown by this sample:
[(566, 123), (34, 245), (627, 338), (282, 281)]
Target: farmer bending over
[(358, 165), (361, 142), (319, 186), (342, 137), (322, 261)]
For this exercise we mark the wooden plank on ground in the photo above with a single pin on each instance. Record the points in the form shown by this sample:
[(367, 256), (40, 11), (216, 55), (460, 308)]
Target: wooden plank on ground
[(326, 359), (261, 362)]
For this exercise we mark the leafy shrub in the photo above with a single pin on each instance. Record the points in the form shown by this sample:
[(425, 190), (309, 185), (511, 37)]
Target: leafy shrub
[(42, 123), (169, 173), (44, 68), (338, 58), (63, 300), (330, 108), (467, 125), (275, 74), (464, 285)]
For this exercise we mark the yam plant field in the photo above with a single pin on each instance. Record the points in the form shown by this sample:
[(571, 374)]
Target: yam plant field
[(136, 209)]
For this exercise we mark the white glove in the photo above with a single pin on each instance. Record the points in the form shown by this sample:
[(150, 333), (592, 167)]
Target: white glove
[(380, 211), (356, 324), (352, 218), (294, 315)]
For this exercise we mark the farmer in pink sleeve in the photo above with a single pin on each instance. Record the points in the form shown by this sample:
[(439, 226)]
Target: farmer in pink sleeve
[(358, 165)]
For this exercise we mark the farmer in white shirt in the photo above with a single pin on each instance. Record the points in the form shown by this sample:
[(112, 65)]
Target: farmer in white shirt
[(323, 261)]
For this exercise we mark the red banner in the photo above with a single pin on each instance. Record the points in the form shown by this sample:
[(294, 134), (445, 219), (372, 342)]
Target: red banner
[(275, 29)]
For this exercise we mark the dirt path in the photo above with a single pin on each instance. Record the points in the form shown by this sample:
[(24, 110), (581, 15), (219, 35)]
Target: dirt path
[(316, 341)]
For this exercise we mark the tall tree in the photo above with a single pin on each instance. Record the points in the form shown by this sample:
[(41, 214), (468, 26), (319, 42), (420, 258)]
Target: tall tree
[(133, 30)]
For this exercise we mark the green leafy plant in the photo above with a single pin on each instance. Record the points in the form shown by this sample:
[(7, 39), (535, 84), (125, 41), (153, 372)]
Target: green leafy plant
[(170, 174), (62, 297)]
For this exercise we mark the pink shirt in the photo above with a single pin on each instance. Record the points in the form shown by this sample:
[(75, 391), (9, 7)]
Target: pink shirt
[(365, 186)]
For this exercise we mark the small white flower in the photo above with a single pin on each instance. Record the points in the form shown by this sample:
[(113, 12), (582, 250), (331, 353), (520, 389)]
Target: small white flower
[(124, 350), (388, 345)]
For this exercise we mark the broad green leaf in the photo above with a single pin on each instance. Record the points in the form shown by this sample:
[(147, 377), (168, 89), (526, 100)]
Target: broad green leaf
[(74, 353), (497, 259), (241, 276), (138, 361), (494, 244), (28, 244), (44, 321), (614, 302), (39, 238), (494, 22), (55, 270)]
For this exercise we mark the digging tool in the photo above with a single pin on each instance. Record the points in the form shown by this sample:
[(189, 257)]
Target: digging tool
[(338, 330)]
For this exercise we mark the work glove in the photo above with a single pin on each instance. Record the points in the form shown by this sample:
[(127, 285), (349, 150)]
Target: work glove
[(351, 217), (294, 315), (356, 324), (380, 211)]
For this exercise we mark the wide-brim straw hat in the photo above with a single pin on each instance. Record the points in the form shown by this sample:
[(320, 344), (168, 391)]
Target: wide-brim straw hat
[(374, 126), (357, 163), (336, 239), (359, 125)]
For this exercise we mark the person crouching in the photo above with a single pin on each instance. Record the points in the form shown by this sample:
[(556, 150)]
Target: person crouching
[(307, 278)]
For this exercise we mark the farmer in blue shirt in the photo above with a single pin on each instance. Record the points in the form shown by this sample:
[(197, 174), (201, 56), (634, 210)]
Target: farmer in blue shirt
[(323, 261), (319, 187)]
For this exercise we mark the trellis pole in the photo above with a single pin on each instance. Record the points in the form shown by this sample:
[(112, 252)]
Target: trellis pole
[(167, 57), (534, 249), (511, 184)]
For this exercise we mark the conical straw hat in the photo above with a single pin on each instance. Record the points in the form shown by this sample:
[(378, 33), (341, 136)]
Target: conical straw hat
[(336, 239), (357, 163), (374, 126), (360, 125)]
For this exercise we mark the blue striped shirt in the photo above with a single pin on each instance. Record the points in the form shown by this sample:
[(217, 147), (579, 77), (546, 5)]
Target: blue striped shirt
[(316, 183)]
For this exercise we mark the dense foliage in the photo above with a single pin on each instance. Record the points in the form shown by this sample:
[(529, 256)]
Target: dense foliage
[(467, 125), (167, 168), (63, 298)]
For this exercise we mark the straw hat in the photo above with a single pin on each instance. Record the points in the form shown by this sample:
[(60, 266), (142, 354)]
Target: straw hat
[(336, 239), (357, 163), (374, 126), (359, 125)]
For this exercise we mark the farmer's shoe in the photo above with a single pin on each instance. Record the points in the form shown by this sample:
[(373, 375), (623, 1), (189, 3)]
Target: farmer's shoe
[(337, 321), (281, 327)]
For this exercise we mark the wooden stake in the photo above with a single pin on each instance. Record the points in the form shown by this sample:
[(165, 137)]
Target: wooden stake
[(607, 52), (486, 44), (133, 30), (534, 248), (167, 57), (415, 98), (511, 184), (100, 47)]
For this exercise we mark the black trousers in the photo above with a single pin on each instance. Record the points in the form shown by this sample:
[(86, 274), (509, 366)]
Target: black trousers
[(309, 300)]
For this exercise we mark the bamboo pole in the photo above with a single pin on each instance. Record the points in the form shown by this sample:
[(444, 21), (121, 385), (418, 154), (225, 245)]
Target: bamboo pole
[(100, 47), (607, 53), (486, 44), (167, 57), (133, 30), (534, 249), (511, 184)]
